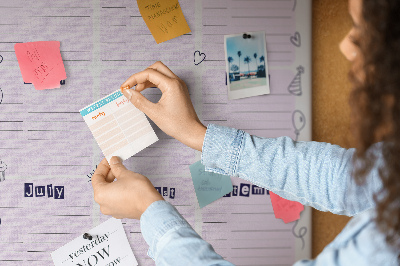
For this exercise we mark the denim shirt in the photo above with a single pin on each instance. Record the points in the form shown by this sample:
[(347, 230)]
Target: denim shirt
[(312, 173)]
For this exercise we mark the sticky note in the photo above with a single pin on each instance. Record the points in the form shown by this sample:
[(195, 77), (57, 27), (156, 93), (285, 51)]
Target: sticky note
[(109, 246), (118, 126), (41, 63), (284, 209), (164, 18), (209, 186)]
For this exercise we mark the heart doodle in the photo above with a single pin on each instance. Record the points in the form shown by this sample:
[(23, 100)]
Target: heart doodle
[(296, 39), (199, 57)]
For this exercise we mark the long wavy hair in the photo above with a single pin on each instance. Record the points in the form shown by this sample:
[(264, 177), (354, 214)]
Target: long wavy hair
[(375, 103)]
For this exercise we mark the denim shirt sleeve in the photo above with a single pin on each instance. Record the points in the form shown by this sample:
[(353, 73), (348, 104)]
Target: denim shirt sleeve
[(172, 241), (312, 173)]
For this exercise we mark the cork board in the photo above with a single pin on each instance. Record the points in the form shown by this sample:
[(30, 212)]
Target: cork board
[(330, 108)]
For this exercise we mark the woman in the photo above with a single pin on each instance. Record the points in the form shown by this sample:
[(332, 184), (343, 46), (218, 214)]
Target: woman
[(317, 174)]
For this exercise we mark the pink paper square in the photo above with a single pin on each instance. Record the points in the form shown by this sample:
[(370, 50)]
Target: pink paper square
[(284, 209), (41, 63)]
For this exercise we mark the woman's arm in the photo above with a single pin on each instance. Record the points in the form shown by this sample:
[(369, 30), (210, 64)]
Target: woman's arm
[(312, 173)]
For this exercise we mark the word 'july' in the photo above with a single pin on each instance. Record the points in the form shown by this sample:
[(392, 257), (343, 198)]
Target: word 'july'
[(40, 191)]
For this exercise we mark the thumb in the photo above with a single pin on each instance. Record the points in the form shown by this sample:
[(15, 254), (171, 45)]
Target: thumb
[(117, 167), (138, 100)]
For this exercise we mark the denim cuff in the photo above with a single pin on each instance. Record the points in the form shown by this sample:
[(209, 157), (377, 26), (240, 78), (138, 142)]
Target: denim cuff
[(222, 148), (158, 219)]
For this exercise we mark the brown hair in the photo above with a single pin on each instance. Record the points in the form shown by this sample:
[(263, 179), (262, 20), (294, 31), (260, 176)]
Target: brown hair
[(375, 103)]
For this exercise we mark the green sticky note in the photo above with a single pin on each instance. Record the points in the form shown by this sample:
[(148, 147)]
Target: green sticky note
[(209, 186)]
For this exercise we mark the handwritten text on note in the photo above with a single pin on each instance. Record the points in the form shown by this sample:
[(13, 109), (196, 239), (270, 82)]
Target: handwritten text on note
[(164, 19), (41, 64)]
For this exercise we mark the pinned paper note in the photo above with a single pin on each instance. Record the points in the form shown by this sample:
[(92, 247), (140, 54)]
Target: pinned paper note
[(41, 64), (164, 18), (108, 246), (118, 126), (209, 186), (284, 209)]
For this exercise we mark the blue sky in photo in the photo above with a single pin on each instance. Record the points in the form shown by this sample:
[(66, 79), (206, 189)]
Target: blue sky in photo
[(248, 47)]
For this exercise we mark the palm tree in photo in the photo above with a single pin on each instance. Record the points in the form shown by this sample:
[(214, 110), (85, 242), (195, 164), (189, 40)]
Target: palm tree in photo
[(262, 59), (255, 60), (247, 60), (230, 60), (239, 55)]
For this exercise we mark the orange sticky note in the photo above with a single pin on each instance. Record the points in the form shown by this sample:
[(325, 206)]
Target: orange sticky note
[(41, 63), (284, 209), (164, 18)]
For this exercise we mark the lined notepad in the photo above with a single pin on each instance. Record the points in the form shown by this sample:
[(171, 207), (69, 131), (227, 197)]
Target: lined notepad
[(118, 126)]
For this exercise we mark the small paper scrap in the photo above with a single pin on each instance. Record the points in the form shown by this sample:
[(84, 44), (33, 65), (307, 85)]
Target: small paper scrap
[(284, 209), (209, 186), (118, 126), (41, 64), (164, 18), (108, 246)]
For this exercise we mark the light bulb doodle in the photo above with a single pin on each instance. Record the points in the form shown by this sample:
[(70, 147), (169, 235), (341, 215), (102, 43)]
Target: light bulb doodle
[(301, 233), (299, 122), (295, 85)]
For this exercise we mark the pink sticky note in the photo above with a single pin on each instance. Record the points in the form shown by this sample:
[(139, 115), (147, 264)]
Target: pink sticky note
[(284, 209), (41, 63)]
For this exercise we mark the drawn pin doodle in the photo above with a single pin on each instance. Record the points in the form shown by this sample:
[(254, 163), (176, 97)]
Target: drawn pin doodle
[(3, 168), (299, 122), (295, 86)]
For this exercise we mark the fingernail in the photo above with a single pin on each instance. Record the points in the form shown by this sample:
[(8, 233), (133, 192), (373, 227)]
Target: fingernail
[(115, 160), (127, 93)]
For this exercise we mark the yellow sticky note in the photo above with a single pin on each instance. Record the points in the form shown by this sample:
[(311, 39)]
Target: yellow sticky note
[(164, 18)]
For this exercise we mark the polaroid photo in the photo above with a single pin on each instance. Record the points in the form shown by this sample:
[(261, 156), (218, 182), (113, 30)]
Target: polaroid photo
[(246, 65)]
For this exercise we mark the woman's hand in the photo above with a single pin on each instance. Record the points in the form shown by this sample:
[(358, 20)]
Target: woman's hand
[(128, 196), (174, 113)]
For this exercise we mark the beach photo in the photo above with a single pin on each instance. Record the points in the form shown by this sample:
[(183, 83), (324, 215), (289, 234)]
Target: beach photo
[(246, 65)]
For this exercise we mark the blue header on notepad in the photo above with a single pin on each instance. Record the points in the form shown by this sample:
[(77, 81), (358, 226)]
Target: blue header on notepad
[(101, 103)]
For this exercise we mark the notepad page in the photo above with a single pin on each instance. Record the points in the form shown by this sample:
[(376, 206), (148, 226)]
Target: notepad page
[(44, 140)]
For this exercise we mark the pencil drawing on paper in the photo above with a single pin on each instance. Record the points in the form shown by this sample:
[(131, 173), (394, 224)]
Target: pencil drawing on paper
[(1, 59), (296, 39), (3, 168), (301, 233), (295, 85), (299, 122), (1, 95), (199, 57)]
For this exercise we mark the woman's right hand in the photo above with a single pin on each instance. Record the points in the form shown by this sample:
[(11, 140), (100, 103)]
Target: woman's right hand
[(174, 112)]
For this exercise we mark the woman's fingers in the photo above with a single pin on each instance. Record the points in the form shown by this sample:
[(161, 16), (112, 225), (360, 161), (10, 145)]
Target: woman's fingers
[(149, 75), (160, 67)]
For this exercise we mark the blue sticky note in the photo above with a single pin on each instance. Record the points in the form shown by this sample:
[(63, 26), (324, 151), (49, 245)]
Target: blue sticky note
[(209, 186)]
